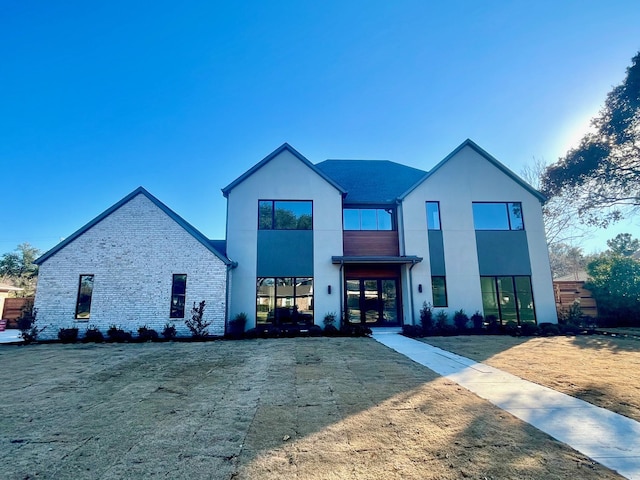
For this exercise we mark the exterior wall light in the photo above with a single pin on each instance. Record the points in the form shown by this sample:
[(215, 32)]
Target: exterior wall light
[(420, 287), (329, 289)]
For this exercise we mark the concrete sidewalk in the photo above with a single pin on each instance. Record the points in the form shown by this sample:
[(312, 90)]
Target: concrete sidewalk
[(10, 336), (608, 438)]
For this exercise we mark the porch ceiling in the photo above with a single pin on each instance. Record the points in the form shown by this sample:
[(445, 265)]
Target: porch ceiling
[(379, 259)]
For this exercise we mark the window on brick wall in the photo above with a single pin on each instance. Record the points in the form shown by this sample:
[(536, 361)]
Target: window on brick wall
[(178, 295), (85, 292)]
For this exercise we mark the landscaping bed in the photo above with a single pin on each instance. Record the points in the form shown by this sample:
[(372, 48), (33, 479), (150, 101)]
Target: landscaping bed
[(308, 408)]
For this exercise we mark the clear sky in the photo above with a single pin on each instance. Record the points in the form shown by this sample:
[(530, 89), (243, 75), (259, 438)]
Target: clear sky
[(98, 98)]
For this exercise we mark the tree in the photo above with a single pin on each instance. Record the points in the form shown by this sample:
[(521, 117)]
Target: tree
[(18, 268), (614, 281), (566, 260), (602, 175), (624, 245), (560, 214)]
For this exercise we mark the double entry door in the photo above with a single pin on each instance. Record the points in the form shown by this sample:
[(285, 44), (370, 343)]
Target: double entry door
[(373, 301)]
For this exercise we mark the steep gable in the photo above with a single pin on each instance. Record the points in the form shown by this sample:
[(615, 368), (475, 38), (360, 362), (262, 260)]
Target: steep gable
[(170, 213)]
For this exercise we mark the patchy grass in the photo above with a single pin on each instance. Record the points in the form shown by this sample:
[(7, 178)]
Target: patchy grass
[(601, 370), (312, 408)]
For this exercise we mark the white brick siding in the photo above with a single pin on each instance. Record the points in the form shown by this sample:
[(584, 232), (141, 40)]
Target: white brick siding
[(133, 254)]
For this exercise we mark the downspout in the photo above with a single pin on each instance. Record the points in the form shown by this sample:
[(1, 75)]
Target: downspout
[(341, 292), (230, 266), (413, 315)]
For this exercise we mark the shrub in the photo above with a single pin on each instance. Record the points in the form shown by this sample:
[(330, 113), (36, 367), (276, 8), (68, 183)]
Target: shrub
[(237, 325), (169, 331), (448, 330), (572, 315), (329, 319), (146, 334), (331, 331), (118, 335), (251, 333), (529, 329), (196, 324), (412, 331), (460, 320), (315, 331), (493, 325), (27, 323), (426, 317), (477, 320), (68, 335), (355, 330), (549, 329), (442, 319), (290, 330), (511, 328), (93, 334)]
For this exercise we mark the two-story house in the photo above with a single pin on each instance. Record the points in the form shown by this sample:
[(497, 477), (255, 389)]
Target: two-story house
[(370, 241)]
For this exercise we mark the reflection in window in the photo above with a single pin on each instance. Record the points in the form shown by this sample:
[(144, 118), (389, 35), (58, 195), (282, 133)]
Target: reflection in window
[(85, 292), (439, 291), (178, 295), (508, 299), (498, 216), (368, 219), (285, 215), (283, 300), (433, 215)]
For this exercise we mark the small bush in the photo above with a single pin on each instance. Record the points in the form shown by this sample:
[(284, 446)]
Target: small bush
[(315, 331), (118, 335), (441, 319), (511, 328), (93, 335), (493, 325), (290, 330), (27, 323), (529, 329), (252, 333), (449, 330), (426, 317), (329, 319), (196, 324), (355, 330), (331, 331), (68, 335), (237, 325), (549, 329), (169, 332), (460, 320), (412, 331), (146, 334), (477, 320)]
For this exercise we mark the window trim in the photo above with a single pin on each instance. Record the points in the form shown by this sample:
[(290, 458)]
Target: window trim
[(184, 303), (77, 317), (273, 213), (508, 217)]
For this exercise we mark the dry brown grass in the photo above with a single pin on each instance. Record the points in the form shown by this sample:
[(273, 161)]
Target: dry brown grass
[(601, 370), (292, 408)]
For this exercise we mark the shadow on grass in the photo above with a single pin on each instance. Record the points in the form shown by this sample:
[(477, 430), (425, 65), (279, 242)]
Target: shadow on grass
[(305, 408)]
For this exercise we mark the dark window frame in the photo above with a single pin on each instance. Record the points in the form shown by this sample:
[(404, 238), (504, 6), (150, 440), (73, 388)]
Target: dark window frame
[(515, 293), (508, 217), (273, 213), (178, 311), (78, 297), (296, 283), (391, 210), (439, 215), (446, 294)]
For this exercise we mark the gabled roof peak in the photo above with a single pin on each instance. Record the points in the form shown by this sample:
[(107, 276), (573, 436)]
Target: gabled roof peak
[(138, 191)]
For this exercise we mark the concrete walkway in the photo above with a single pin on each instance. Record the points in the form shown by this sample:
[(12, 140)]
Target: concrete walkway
[(11, 335), (608, 438)]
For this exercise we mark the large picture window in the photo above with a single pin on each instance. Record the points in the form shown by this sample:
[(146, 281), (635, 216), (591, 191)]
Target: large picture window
[(85, 292), (285, 215), (498, 216), (508, 299), (368, 219), (178, 295), (284, 300)]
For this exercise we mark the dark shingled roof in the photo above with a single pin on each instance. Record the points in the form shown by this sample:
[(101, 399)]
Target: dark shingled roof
[(371, 181)]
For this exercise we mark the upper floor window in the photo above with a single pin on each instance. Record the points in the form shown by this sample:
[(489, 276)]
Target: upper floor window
[(498, 216), (433, 215), (285, 215), (368, 219)]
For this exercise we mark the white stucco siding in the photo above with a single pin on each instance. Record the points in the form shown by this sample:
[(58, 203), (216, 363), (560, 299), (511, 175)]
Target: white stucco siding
[(284, 177), (133, 254), (466, 178)]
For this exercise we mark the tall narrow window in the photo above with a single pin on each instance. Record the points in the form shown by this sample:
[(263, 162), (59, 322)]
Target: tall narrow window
[(439, 291), (433, 215), (178, 295), (85, 292)]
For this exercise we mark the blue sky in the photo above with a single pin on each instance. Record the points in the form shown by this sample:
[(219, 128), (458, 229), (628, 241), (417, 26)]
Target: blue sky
[(98, 98)]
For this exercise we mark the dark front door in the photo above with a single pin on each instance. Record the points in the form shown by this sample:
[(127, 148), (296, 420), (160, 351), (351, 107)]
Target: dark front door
[(373, 301)]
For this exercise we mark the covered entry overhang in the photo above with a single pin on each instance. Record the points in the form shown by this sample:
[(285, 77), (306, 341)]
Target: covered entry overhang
[(372, 288)]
